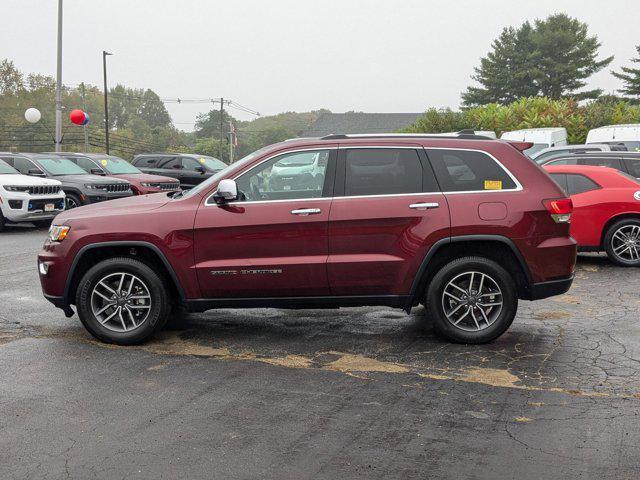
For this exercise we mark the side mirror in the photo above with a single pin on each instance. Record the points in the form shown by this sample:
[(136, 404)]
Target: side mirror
[(34, 172), (227, 191), (97, 171)]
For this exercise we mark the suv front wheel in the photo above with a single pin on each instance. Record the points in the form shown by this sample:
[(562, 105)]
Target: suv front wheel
[(122, 301), (471, 300)]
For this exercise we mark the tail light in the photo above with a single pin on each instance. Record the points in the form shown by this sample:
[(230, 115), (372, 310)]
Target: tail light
[(560, 209)]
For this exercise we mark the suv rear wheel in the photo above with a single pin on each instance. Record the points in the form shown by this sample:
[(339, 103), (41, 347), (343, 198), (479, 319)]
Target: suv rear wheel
[(122, 301), (622, 242), (471, 300)]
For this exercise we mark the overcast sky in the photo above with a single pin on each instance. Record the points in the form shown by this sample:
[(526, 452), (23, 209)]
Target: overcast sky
[(292, 55)]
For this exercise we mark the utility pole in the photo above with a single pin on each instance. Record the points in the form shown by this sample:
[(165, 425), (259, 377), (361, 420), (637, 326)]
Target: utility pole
[(231, 141), (106, 105), (221, 125), (58, 134), (84, 127)]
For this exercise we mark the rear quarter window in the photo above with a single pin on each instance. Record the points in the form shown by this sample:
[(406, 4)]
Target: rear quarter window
[(468, 170), (577, 184)]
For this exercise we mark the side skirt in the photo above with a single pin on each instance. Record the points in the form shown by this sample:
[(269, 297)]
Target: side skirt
[(201, 305)]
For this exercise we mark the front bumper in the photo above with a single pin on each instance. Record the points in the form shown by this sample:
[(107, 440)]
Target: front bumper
[(31, 208), (101, 196), (551, 288)]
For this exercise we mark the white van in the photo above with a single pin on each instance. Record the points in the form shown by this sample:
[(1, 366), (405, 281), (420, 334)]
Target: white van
[(627, 135), (540, 137)]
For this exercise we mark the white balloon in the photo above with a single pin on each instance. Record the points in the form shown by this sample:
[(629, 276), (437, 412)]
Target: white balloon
[(32, 115)]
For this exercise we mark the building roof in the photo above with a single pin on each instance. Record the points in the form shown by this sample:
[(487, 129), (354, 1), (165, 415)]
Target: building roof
[(359, 122)]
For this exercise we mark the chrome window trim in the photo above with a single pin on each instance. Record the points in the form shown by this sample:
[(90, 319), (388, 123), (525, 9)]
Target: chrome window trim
[(518, 188)]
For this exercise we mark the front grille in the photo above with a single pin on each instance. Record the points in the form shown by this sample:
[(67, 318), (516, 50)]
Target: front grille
[(116, 187), (44, 190), (167, 186)]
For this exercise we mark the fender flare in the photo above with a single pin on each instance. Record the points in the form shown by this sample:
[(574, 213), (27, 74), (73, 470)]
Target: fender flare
[(417, 280), (134, 243)]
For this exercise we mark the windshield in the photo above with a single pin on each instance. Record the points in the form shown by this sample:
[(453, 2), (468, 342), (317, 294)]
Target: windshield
[(535, 148), (6, 169), (60, 166), (222, 173), (212, 163), (631, 146), (116, 165)]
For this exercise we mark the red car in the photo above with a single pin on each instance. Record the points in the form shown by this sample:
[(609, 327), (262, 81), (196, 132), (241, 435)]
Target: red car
[(606, 210), (112, 166), (462, 224)]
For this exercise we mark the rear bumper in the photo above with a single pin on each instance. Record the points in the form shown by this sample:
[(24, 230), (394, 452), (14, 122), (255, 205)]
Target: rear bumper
[(549, 289)]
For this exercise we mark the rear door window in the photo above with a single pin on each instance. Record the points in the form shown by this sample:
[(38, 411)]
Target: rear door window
[(382, 171), (577, 184), (633, 166), (469, 171), (561, 180), (173, 163), (146, 162)]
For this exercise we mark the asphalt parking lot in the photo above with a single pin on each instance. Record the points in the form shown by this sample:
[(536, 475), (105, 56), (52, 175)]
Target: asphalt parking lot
[(351, 393)]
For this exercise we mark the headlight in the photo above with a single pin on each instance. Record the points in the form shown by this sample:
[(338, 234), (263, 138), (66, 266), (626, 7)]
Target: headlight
[(91, 186), (148, 184), (58, 233), (15, 188)]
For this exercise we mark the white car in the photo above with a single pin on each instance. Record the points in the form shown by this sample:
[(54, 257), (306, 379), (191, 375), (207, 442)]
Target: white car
[(543, 156), (540, 137), (28, 199), (626, 134)]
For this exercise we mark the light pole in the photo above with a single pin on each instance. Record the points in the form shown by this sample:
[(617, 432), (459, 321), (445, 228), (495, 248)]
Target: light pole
[(58, 133), (106, 106)]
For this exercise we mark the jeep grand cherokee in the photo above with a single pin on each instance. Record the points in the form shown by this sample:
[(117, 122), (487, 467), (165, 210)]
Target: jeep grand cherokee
[(462, 224)]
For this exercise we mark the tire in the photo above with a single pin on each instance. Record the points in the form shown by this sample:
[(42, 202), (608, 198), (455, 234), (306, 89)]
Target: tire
[(72, 201), (1, 222), (475, 324), (139, 317), (622, 234)]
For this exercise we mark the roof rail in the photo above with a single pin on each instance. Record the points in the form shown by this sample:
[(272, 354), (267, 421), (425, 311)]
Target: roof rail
[(462, 134)]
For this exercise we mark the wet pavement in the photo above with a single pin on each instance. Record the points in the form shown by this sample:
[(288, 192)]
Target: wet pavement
[(350, 393)]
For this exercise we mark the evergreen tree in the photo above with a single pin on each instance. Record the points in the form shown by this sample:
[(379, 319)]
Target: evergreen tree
[(631, 78)]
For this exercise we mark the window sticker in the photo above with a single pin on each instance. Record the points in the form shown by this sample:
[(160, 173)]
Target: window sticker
[(637, 196), (103, 162), (493, 184), (202, 160)]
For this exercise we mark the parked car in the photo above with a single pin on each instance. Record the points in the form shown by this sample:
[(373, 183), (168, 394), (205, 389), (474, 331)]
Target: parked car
[(190, 170), (627, 162), (540, 137), (112, 166), (606, 210), (28, 199), (547, 154), (391, 225), (80, 187), (626, 134)]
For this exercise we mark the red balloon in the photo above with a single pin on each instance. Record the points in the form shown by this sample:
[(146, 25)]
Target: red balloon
[(78, 117)]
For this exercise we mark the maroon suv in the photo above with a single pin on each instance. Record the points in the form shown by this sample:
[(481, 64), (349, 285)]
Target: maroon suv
[(462, 224)]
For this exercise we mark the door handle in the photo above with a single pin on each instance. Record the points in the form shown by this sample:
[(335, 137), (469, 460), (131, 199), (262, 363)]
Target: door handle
[(424, 206), (306, 211)]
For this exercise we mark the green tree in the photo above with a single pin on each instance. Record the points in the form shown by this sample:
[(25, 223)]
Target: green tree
[(630, 78), (552, 58), (208, 124)]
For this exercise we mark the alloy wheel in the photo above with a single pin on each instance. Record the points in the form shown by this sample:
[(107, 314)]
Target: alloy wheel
[(121, 302), (71, 203), (472, 301), (625, 243)]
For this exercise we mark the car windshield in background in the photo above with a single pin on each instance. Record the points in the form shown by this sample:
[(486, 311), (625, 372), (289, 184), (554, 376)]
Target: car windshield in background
[(212, 163), (5, 169), (535, 148), (60, 166), (631, 146), (116, 165)]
